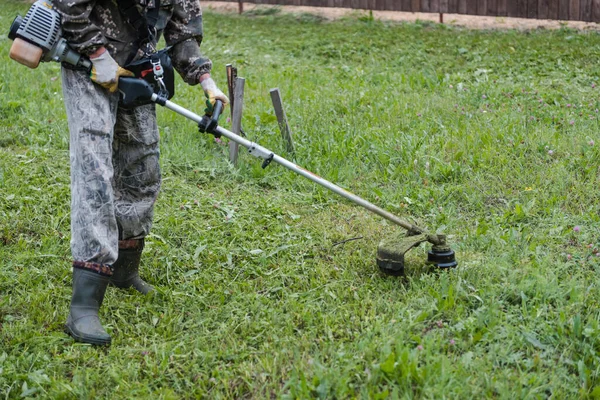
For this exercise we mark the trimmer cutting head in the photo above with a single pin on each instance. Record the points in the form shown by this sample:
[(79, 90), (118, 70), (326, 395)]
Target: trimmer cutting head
[(390, 253), (443, 258)]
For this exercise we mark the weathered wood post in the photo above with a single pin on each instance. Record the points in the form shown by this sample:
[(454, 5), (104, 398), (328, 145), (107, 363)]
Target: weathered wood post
[(240, 6), (231, 75), (236, 119), (284, 127), (231, 82)]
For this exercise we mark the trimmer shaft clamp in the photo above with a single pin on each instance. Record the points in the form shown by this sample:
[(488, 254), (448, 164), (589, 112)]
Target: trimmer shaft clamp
[(258, 151)]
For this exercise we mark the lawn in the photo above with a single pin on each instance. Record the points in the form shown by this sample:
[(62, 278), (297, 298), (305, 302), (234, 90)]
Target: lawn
[(490, 137)]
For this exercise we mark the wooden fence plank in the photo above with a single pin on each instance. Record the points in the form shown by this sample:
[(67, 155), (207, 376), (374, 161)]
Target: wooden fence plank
[(443, 6), (553, 9), (574, 9), (596, 10), (542, 9), (434, 6), (502, 8), (492, 7), (396, 5), (585, 11), (482, 7), (532, 8), (512, 8), (563, 9), (452, 6), (521, 9), (462, 6), (471, 7), (415, 5), (406, 5), (424, 5)]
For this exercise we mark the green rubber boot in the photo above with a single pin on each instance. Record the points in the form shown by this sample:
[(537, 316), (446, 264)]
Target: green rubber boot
[(83, 323), (126, 270)]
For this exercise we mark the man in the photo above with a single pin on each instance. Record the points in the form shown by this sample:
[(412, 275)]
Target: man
[(115, 176)]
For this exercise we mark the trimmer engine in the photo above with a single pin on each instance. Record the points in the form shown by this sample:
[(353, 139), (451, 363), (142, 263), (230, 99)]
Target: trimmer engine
[(37, 37)]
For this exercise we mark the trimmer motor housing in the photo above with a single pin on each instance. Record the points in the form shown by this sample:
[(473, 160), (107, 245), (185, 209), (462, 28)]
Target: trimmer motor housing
[(37, 37)]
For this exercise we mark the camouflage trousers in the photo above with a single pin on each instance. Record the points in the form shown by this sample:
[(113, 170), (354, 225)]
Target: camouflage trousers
[(115, 174)]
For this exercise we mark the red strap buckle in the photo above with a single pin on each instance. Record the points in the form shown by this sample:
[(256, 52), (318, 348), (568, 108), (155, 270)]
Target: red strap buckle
[(146, 72)]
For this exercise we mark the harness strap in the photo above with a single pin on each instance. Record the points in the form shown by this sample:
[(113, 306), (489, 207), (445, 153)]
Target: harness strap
[(144, 25)]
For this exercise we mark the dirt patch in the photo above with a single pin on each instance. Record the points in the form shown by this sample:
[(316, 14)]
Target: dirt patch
[(469, 21)]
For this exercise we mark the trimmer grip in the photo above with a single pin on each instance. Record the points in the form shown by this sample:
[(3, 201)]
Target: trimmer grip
[(210, 122), (217, 110)]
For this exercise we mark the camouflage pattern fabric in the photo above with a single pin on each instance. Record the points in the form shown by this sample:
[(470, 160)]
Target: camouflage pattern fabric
[(115, 174), (90, 24)]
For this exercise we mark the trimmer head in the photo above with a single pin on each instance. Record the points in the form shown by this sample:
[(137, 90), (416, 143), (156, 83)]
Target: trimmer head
[(443, 259), (390, 253)]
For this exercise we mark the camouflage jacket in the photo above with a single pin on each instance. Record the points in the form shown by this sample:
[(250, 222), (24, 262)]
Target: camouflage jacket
[(90, 24)]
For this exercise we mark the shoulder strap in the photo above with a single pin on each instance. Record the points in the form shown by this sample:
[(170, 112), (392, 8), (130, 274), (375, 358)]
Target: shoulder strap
[(144, 25), (152, 14)]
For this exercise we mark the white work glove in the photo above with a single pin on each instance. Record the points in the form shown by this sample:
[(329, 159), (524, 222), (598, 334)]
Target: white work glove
[(106, 72), (212, 93)]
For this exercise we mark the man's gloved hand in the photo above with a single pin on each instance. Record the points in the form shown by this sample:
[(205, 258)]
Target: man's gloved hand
[(106, 71), (213, 93)]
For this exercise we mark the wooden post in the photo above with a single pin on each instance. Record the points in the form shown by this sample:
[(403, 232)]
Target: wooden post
[(284, 127), (236, 119), (231, 77), (240, 6)]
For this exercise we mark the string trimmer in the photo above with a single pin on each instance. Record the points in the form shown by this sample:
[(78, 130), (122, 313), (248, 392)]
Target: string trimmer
[(390, 253), (37, 38)]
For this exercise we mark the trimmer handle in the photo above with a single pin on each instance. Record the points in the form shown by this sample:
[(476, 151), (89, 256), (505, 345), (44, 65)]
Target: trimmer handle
[(135, 91), (217, 110), (209, 123)]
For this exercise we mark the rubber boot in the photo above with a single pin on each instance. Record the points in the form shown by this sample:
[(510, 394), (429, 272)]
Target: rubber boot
[(83, 323), (126, 270)]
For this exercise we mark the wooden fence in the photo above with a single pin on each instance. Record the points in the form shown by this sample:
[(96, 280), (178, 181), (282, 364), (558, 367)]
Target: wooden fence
[(577, 10)]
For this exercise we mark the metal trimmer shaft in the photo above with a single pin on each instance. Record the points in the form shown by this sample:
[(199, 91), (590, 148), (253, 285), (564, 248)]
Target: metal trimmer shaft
[(268, 156)]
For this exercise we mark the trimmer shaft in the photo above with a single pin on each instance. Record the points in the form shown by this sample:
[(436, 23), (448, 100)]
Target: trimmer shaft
[(390, 252)]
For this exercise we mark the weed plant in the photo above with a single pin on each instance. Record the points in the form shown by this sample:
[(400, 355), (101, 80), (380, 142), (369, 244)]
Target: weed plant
[(488, 136)]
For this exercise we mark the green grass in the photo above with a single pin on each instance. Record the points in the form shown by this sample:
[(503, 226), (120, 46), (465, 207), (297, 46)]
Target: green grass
[(487, 136)]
